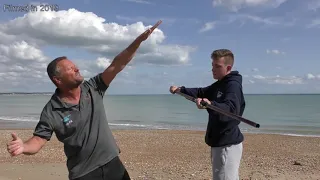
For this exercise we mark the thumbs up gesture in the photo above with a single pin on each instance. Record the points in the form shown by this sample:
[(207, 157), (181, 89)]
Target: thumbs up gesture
[(15, 146)]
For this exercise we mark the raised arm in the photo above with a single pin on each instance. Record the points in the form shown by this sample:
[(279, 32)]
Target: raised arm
[(197, 92), (122, 59)]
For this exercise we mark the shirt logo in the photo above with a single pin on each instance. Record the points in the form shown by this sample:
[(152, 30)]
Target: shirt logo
[(67, 120), (219, 94)]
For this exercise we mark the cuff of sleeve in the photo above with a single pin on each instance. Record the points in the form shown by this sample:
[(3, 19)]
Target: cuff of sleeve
[(182, 89), (43, 137), (101, 82)]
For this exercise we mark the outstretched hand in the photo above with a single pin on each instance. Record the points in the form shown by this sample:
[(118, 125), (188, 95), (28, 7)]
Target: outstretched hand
[(173, 89), (15, 147), (149, 31)]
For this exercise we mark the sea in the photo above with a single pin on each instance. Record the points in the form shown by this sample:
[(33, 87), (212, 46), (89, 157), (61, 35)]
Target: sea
[(289, 114)]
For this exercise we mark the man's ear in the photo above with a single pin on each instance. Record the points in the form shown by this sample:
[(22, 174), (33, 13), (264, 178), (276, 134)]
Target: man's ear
[(229, 67), (56, 80)]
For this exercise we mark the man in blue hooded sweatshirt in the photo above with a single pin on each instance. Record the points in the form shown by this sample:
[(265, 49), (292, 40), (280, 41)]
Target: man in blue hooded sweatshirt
[(223, 134)]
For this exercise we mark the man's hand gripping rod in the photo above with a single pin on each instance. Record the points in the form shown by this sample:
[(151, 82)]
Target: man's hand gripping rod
[(234, 116)]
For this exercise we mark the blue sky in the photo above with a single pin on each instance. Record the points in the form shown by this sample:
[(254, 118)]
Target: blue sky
[(274, 41)]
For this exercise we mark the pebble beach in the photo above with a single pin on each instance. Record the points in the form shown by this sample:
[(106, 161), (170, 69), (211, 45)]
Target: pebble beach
[(172, 154)]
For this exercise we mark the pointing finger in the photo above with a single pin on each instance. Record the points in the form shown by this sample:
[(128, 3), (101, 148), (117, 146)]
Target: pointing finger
[(156, 25)]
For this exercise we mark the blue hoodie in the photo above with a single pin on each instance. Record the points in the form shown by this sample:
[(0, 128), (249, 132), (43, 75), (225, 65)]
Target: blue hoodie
[(225, 94)]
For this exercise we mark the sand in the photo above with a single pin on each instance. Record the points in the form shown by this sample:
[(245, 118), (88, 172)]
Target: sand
[(168, 154)]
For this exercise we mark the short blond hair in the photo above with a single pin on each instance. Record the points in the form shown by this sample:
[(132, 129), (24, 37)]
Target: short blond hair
[(226, 53)]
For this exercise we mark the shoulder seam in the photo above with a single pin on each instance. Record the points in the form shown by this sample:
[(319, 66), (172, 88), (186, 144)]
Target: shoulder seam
[(50, 122), (232, 82)]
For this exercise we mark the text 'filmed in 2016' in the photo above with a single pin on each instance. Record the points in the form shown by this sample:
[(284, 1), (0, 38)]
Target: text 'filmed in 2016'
[(30, 8)]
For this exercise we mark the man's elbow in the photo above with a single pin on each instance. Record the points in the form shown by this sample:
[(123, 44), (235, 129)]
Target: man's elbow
[(233, 107), (34, 145), (227, 106)]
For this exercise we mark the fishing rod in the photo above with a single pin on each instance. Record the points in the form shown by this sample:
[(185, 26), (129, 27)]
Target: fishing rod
[(229, 114)]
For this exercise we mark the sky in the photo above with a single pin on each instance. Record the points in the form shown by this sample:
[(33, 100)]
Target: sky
[(274, 42)]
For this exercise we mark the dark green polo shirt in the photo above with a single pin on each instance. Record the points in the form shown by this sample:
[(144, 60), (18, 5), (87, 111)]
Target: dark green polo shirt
[(83, 128)]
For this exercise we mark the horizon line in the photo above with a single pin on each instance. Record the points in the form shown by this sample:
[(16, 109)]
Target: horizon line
[(2, 93)]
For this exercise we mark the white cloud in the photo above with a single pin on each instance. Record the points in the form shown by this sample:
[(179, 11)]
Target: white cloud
[(313, 76), (235, 5), (314, 5), (22, 52), (140, 1), (310, 76), (275, 51), (270, 21), (258, 77), (165, 20), (257, 19), (88, 31), (23, 63), (103, 63), (286, 39), (165, 55), (314, 23), (289, 80), (279, 80), (23, 66), (146, 19), (89, 68), (208, 26)]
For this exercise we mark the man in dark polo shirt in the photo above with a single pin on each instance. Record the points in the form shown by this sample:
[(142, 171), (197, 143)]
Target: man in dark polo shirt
[(76, 114)]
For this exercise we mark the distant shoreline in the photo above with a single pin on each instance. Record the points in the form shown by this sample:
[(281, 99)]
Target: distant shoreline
[(29, 125)]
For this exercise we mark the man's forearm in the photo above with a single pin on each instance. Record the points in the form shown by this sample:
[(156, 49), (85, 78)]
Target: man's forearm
[(194, 92), (122, 59), (33, 145)]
